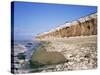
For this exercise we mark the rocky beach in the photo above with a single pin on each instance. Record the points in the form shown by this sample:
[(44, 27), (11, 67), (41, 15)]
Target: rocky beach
[(70, 46), (80, 52)]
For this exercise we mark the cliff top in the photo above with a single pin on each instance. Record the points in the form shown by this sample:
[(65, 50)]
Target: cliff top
[(67, 24)]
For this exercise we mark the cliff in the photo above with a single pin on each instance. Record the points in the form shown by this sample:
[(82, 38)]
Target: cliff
[(86, 25), (79, 52)]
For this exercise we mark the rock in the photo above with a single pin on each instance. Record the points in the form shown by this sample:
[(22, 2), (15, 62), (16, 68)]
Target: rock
[(59, 67), (22, 61)]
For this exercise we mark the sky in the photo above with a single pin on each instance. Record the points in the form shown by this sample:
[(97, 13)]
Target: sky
[(32, 18)]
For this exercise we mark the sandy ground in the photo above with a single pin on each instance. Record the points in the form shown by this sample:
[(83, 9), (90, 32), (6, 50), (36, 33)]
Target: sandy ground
[(80, 52)]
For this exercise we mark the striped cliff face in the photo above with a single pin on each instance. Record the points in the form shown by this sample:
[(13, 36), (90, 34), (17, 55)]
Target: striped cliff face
[(86, 25)]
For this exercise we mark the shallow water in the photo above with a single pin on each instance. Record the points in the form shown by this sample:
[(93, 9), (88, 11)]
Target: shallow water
[(26, 47)]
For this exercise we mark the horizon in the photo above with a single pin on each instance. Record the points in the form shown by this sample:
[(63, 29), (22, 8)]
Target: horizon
[(31, 18)]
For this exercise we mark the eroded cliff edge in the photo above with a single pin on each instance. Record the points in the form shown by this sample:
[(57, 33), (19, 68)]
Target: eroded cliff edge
[(86, 25)]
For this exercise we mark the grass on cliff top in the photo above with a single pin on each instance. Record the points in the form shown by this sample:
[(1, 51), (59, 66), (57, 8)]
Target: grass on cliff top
[(43, 57)]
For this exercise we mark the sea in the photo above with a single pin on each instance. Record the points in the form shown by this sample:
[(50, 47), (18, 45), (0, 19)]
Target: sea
[(27, 47)]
